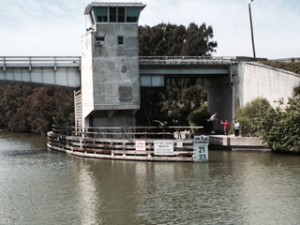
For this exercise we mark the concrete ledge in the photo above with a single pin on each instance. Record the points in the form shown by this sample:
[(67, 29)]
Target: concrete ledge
[(233, 143)]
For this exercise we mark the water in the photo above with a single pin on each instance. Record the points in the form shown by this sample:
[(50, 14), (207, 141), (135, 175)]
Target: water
[(44, 187)]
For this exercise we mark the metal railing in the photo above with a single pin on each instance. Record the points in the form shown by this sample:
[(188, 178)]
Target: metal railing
[(123, 143), (181, 60), (148, 132), (75, 61), (39, 61)]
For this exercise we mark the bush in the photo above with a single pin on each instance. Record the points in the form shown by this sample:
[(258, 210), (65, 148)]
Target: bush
[(256, 118), (199, 118), (285, 134), (280, 129)]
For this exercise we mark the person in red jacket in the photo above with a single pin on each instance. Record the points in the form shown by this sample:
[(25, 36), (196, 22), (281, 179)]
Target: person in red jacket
[(226, 126)]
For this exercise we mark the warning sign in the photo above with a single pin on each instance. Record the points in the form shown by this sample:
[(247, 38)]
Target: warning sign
[(163, 147), (140, 145)]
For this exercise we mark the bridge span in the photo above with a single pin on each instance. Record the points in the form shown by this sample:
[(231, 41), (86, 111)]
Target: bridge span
[(232, 82), (65, 71)]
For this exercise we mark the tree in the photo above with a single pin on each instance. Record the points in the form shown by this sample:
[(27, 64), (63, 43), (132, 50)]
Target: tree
[(26, 108), (181, 96), (199, 117), (172, 40), (197, 41)]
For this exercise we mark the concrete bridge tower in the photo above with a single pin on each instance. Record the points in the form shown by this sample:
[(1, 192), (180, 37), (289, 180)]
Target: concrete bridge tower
[(110, 83)]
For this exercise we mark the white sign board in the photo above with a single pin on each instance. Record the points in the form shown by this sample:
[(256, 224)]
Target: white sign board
[(163, 147), (140, 145), (200, 148)]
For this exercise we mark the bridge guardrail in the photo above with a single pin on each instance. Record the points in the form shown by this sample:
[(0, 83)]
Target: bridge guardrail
[(74, 61), (39, 61), (181, 60)]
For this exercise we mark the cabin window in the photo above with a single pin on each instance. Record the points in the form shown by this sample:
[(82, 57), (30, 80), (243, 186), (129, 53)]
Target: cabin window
[(132, 14), (121, 14), (101, 14), (113, 14)]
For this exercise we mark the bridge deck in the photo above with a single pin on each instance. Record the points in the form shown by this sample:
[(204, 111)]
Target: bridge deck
[(65, 70)]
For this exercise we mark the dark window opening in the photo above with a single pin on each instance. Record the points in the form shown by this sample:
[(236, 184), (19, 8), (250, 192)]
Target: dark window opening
[(112, 14), (121, 14), (100, 40), (120, 40), (102, 18)]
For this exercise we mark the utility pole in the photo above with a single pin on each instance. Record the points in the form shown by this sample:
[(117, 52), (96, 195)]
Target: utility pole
[(251, 27)]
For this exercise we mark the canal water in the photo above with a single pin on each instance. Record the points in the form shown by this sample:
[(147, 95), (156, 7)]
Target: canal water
[(45, 187)]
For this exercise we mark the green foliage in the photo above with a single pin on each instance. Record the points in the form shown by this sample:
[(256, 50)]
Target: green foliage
[(285, 134), (256, 117), (297, 91), (279, 128), (32, 109), (175, 102), (199, 117), (172, 40), (183, 96)]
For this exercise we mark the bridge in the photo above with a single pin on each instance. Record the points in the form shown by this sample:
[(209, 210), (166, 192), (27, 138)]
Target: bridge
[(232, 82), (64, 71)]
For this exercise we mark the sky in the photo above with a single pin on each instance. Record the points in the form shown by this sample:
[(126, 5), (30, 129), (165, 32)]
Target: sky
[(55, 27)]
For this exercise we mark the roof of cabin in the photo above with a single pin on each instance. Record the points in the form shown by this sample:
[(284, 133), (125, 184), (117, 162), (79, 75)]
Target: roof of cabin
[(112, 4)]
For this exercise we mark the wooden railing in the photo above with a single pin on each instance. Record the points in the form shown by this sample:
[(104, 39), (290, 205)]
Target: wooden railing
[(121, 143)]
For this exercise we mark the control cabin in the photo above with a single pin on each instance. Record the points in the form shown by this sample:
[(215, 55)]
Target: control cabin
[(110, 83)]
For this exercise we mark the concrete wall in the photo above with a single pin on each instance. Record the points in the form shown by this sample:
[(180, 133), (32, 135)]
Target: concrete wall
[(116, 68), (246, 82), (87, 87), (257, 80), (110, 75)]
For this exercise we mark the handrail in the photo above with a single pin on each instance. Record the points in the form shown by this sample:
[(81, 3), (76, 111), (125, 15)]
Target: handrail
[(186, 60), (31, 61), (56, 61), (125, 132)]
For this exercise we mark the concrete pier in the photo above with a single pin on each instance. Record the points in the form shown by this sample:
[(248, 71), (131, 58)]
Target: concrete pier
[(230, 142)]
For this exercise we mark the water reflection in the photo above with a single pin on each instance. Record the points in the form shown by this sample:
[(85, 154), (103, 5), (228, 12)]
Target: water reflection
[(88, 200)]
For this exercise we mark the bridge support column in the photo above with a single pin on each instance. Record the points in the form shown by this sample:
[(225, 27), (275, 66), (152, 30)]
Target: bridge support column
[(223, 97), (220, 91)]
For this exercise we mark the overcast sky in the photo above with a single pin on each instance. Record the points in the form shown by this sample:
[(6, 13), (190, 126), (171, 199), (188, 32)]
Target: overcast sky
[(55, 27)]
